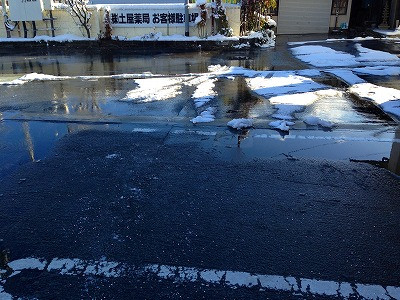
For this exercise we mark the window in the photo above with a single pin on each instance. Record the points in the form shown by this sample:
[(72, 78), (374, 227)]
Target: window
[(339, 7)]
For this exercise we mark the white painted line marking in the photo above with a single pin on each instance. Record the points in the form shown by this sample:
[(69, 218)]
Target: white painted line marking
[(229, 279)]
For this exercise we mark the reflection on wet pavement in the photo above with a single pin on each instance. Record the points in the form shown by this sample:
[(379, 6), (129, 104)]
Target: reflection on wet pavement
[(79, 104)]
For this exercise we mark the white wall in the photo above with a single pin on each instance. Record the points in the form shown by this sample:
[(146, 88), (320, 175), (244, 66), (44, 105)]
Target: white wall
[(65, 24)]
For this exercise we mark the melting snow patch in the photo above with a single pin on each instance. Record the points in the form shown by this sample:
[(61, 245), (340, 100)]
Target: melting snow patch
[(320, 56), (204, 92), (155, 89), (287, 105), (240, 123), (309, 73), (281, 125), (205, 116), (282, 83), (346, 75), (386, 98), (378, 71), (314, 121), (374, 56)]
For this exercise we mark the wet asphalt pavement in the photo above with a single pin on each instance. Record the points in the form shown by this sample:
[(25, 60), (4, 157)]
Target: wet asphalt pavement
[(87, 176)]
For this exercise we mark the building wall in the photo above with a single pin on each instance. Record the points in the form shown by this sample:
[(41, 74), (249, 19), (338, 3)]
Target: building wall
[(306, 16), (65, 24)]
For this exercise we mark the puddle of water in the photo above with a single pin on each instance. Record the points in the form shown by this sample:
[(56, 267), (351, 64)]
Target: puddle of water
[(177, 63), (102, 98), (237, 101)]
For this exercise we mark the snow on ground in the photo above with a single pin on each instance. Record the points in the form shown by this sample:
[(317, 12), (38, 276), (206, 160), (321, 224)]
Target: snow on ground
[(287, 105), (374, 56), (205, 116), (345, 75), (240, 123), (282, 82), (44, 38), (281, 125), (289, 93), (378, 71), (321, 56), (45, 77), (204, 92), (388, 32), (155, 89), (387, 99), (315, 121)]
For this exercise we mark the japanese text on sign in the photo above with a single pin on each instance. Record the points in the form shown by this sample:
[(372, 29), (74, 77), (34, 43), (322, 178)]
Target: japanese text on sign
[(147, 19)]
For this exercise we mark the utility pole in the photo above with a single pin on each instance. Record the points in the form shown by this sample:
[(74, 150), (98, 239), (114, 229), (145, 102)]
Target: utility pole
[(186, 17)]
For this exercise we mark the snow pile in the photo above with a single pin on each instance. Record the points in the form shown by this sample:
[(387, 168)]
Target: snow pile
[(314, 121), (205, 116), (155, 89), (240, 123), (387, 99), (281, 125)]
